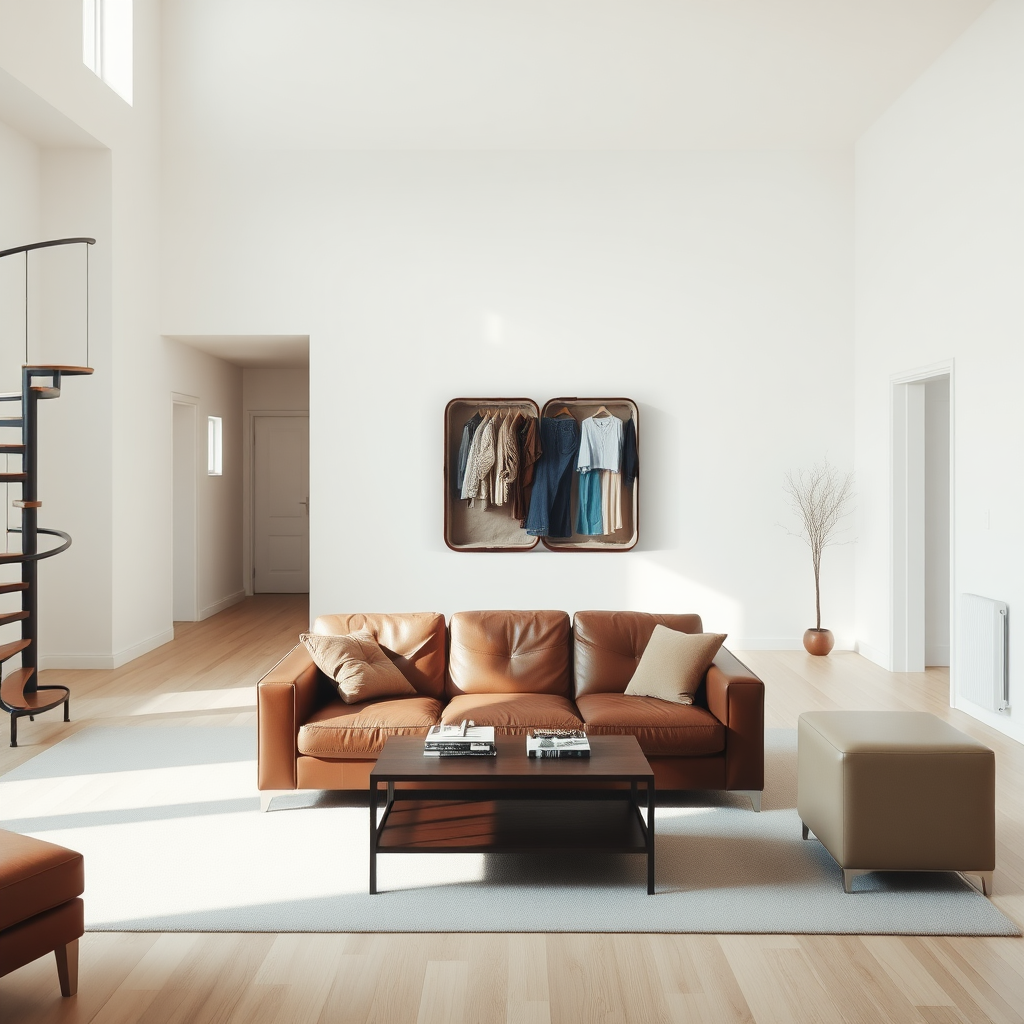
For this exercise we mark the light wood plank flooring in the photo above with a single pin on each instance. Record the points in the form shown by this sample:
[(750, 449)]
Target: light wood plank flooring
[(207, 676)]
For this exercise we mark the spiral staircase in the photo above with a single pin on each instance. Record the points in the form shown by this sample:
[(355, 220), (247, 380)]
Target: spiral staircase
[(21, 694)]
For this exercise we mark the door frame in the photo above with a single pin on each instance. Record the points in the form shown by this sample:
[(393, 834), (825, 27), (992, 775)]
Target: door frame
[(188, 402), (906, 518), (249, 491)]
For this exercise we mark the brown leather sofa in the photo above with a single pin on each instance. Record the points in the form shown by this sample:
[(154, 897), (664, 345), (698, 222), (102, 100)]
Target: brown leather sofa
[(40, 907), (515, 670)]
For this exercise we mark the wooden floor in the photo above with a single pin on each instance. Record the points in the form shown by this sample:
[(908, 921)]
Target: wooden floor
[(207, 676)]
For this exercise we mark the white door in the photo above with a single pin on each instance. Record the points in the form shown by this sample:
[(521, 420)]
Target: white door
[(281, 505)]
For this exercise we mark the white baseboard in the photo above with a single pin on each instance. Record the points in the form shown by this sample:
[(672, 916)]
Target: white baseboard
[(746, 643), (1003, 723), (221, 605), (106, 661), (137, 650), (75, 661), (880, 658)]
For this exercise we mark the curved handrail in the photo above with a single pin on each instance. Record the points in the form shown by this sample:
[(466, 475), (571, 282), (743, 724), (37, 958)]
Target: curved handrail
[(18, 556), (46, 245)]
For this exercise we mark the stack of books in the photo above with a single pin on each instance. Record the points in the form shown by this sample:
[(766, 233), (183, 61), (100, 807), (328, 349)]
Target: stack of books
[(460, 741), (557, 743)]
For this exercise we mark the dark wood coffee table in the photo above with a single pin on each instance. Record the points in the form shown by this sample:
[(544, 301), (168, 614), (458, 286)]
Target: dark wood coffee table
[(512, 803)]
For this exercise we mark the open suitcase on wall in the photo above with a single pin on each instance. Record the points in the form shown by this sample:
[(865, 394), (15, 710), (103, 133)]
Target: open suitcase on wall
[(486, 526)]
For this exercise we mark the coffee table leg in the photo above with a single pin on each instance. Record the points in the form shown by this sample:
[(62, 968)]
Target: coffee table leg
[(373, 837), (650, 838)]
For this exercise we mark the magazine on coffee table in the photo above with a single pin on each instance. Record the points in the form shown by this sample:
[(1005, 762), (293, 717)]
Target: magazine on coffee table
[(557, 743), (463, 740)]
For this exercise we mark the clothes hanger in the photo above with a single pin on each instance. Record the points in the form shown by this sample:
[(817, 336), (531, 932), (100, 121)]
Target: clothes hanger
[(602, 409), (564, 411)]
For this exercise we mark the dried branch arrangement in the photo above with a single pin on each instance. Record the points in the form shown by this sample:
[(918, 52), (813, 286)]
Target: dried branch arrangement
[(821, 498)]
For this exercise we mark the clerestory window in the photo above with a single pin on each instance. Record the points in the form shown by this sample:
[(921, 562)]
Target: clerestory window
[(108, 43)]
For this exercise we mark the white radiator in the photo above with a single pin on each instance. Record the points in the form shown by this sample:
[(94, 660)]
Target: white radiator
[(982, 662)]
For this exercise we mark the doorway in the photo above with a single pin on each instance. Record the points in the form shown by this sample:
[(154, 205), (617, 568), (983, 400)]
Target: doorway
[(280, 504), (185, 574), (922, 519)]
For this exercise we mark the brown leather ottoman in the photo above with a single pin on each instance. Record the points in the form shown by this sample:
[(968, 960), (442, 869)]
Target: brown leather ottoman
[(40, 908), (896, 791)]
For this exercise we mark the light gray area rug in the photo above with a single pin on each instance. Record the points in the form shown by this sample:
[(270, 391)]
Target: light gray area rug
[(169, 822)]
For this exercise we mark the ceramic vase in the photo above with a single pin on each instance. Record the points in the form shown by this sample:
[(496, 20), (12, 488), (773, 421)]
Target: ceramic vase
[(818, 641)]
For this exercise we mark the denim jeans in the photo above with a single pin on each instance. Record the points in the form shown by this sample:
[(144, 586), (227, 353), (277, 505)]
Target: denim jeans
[(551, 501)]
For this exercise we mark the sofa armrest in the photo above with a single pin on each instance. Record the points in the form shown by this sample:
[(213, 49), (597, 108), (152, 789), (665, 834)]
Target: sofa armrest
[(736, 699), (285, 698)]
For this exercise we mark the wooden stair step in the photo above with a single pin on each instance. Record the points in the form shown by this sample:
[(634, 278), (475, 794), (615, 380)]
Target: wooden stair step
[(12, 689), (10, 421), (13, 478), (64, 368), (12, 449), (26, 504), (12, 588), (12, 693), (10, 396), (41, 392), (12, 617), (13, 648)]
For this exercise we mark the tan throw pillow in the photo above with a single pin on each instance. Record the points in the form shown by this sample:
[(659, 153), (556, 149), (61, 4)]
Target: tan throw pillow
[(359, 668), (673, 664)]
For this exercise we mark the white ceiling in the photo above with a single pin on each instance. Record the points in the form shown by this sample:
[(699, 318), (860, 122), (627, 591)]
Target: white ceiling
[(544, 74), (252, 351)]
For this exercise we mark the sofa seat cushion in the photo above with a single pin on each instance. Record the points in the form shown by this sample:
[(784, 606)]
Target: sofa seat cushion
[(512, 714), (660, 727), (36, 876), (356, 730)]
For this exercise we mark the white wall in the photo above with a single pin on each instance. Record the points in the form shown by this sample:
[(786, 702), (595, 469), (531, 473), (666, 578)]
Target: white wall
[(940, 260), (20, 212), (715, 289), (76, 430), (218, 387), (41, 53)]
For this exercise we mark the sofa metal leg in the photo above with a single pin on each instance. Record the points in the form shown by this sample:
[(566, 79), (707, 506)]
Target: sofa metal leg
[(266, 795), (806, 831), (753, 795), (67, 968)]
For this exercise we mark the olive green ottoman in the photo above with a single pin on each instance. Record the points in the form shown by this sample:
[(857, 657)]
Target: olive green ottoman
[(896, 791)]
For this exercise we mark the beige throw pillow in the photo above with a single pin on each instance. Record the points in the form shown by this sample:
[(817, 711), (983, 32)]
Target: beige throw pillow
[(673, 664), (359, 668)]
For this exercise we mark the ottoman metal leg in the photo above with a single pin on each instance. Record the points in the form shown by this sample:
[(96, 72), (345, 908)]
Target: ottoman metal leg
[(806, 831), (985, 877), (849, 874)]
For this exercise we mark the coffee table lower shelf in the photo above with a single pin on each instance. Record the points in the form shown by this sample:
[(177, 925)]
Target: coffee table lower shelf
[(471, 824)]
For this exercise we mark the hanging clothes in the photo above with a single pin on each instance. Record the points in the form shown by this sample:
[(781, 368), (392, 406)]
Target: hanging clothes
[(588, 506), (467, 442), (551, 500), (600, 444), (611, 501), (630, 458), (507, 461), (476, 484), (528, 451)]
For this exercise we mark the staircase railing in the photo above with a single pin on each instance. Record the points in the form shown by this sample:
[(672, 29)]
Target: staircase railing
[(21, 694)]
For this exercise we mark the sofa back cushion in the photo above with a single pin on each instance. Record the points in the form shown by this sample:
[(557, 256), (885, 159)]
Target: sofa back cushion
[(414, 641), (509, 652), (607, 646)]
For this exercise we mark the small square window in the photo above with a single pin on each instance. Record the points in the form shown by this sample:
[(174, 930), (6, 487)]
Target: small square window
[(215, 460)]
